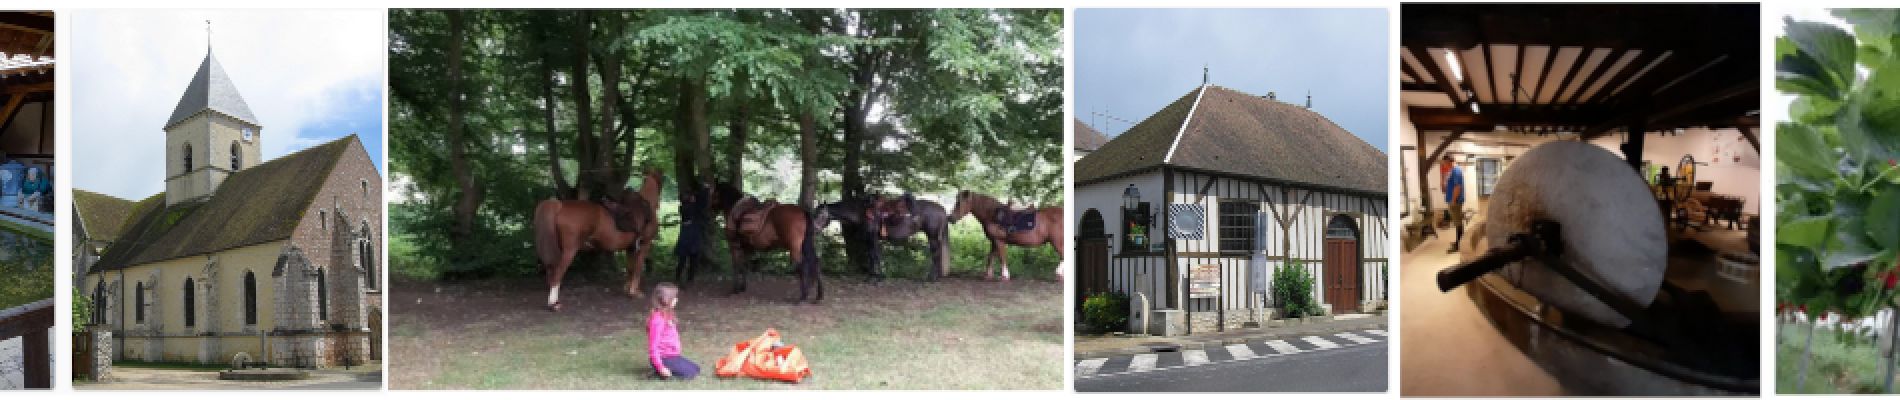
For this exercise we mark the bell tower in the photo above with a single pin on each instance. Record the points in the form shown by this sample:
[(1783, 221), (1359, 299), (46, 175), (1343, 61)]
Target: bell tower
[(211, 134)]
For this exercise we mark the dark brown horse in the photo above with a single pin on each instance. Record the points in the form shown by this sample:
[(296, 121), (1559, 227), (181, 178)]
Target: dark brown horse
[(779, 226), (623, 221), (879, 219), (990, 213)]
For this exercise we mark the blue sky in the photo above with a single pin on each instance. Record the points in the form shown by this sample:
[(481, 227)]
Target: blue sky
[(1131, 62), (310, 77)]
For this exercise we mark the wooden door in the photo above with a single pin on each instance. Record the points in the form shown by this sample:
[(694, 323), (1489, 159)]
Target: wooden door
[(1091, 257), (1342, 275)]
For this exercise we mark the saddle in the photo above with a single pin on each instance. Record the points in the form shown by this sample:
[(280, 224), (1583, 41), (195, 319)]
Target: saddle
[(749, 214), (1016, 219)]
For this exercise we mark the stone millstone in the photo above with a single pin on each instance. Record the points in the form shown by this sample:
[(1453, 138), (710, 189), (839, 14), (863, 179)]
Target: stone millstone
[(1612, 228)]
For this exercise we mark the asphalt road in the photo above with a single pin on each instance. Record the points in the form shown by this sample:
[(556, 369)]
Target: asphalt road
[(1359, 368)]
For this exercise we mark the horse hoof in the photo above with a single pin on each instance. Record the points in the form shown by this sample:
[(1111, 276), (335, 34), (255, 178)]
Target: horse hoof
[(555, 307), (636, 294), (1005, 279)]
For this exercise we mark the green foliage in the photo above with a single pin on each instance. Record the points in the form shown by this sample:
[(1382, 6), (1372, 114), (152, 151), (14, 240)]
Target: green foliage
[(1293, 291), (26, 269), (1106, 312), (969, 99), (82, 310), (1838, 185)]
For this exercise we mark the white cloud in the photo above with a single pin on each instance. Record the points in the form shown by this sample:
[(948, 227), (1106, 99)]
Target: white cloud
[(295, 68)]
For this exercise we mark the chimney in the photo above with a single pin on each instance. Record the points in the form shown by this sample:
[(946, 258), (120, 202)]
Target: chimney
[(1309, 99), (1270, 96), (1203, 74)]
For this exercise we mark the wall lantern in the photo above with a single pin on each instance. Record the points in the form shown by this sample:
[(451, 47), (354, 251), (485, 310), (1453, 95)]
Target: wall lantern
[(1131, 197)]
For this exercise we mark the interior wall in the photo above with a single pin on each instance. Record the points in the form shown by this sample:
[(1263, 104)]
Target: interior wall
[(1725, 158), (23, 135)]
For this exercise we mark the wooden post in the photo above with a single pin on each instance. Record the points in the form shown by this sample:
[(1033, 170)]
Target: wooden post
[(38, 354)]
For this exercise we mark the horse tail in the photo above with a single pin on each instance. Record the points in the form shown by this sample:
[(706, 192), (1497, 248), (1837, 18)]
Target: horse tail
[(547, 241)]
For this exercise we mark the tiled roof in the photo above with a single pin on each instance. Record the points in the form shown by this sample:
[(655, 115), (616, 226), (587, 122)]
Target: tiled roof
[(102, 216), (1233, 132), (1087, 138), (255, 205)]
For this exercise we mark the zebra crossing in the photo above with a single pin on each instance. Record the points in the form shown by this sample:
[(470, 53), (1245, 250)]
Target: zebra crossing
[(1145, 362)]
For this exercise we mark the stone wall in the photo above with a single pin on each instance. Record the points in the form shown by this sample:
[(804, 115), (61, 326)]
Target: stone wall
[(102, 352), (1235, 318)]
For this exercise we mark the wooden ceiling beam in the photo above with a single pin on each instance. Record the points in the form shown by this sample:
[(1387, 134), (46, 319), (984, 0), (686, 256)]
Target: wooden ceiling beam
[(1595, 75), (1557, 96), (1431, 67), (1676, 108), (26, 22)]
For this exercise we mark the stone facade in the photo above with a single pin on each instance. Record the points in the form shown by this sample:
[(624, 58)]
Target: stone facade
[(1235, 318), (102, 351)]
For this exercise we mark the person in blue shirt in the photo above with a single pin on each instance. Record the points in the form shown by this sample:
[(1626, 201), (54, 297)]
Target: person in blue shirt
[(1455, 200)]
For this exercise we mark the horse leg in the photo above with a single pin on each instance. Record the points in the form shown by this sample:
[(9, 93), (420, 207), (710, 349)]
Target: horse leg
[(636, 269), (989, 261), (738, 269), (1002, 255), (936, 255), (559, 270)]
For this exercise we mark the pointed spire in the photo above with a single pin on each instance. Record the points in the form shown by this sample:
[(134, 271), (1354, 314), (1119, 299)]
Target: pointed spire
[(1203, 74), (211, 90)]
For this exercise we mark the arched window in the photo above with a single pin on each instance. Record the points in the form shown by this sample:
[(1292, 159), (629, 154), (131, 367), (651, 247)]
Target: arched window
[(138, 310), (191, 304), (237, 157), (187, 157), (368, 255), (1341, 227), (250, 298), (323, 295)]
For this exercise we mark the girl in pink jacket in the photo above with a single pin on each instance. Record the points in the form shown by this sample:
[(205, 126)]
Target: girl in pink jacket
[(663, 336)]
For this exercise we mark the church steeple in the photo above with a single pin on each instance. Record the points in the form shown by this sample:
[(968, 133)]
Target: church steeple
[(211, 133)]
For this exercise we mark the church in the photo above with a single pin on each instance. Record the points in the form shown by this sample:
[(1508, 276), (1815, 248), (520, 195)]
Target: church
[(240, 258)]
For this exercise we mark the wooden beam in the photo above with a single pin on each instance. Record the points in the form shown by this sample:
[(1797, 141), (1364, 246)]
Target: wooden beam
[(1431, 67), (1557, 96), (1550, 57), (1742, 88), (1748, 132), (1490, 73), (1517, 78), (1596, 75), (27, 88), (1629, 72), (12, 107), (1407, 70), (29, 22), (1440, 151)]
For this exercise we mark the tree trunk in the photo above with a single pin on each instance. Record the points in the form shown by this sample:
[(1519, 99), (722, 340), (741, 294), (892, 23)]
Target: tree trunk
[(739, 128), (699, 127), (470, 198), (807, 160), (561, 187), (683, 148), (607, 168), (583, 110)]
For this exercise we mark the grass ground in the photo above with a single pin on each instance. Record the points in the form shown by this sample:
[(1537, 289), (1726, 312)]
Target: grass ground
[(1840, 363), (953, 334)]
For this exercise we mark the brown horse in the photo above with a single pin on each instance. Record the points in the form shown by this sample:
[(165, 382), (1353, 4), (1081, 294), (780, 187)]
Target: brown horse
[(782, 226), (1048, 228), (625, 221)]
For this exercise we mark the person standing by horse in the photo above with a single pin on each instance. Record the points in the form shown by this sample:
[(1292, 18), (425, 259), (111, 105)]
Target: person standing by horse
[(663, 335), (690, 248)]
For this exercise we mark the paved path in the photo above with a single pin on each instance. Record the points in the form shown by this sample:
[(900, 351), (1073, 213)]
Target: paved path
[(124, 378), (1451, 349), (1272, 366)]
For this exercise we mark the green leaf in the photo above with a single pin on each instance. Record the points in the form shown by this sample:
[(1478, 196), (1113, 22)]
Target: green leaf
[(1849, 246), (1830, 46), (1804, 152), (1814, 109), (1807, 233), (1885, 213)]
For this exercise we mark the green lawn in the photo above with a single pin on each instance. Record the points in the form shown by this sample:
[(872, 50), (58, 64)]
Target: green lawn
[(957, 334), (1841, 363)]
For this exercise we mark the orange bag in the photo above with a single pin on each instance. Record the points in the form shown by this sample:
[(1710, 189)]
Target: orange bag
[(764, 357)]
